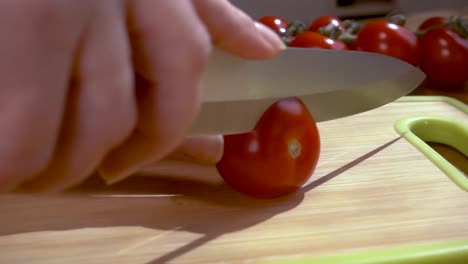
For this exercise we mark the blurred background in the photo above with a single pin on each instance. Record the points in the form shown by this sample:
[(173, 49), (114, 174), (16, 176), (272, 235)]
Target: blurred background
[(416, 11), (358, 9)]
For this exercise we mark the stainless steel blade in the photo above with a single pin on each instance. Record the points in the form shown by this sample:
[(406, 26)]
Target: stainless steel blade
[(296, 72), (240, 112)]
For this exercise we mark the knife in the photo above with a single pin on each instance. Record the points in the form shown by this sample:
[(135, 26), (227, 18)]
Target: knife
[(332, 84)]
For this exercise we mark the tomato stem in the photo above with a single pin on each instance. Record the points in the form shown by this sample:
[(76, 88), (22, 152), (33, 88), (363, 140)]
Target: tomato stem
[(347, 38), (331, 30), (457, 24), (396, 17), (421, 32), (294, 28), (351, 26)]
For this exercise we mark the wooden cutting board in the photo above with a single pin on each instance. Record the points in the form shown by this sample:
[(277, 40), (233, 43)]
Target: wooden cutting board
[(373, 190)]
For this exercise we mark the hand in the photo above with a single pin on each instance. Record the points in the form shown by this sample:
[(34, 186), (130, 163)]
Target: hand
[(69, 99)]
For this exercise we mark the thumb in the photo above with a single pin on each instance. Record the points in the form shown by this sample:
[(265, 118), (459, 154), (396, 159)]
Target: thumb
[(203, 150), (194, 151)]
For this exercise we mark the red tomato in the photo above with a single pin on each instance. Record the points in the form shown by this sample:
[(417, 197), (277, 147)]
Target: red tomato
[(310, 39), (278, 25), (386, 38), (444, 57), (432, 21), (351, 46), (276, 158), (324, 21)]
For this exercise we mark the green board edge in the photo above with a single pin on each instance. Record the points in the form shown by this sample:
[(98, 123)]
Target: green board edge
[(442, 252), (427, 98), (419, 129), (438, 252)]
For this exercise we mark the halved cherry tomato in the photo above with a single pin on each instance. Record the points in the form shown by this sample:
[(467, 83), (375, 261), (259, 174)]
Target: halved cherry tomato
[(310, 39), (277, 157), (444, 57), (324, 21), (386, 38), (279, 25)]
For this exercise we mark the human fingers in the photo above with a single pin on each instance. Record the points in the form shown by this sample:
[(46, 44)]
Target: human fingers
[(101, 106), (195, 153), (233, 30), (203, 150), (36, 51), (169, 65)]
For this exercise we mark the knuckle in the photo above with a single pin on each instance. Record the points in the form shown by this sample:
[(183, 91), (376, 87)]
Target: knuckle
[(202, 50), (126, 109), (107, 80), (119, 115), (233, 22), (194, 54), (28, 148), (110, 134), (51, 17), (43, 12), (127, 120)]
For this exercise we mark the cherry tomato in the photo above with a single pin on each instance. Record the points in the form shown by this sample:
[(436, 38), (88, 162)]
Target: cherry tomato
[(351, 46), (324, 21), (277, 157), (444, 57), (278, 24), (386, 38), (432, 21), (310, 39)]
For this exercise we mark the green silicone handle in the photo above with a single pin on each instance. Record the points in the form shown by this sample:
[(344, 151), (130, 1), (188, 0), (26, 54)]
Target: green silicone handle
[(419, 129), (452, 252)]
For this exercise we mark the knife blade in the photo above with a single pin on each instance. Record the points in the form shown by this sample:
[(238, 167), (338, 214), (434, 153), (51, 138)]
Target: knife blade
[(332, 84)]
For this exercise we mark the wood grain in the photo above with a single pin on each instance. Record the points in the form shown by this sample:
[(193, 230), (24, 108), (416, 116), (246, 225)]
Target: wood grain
[(372, 189)]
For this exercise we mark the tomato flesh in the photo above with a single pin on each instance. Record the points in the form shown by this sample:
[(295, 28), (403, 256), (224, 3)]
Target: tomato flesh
[(389, 39), (310, 39), (277, 157)]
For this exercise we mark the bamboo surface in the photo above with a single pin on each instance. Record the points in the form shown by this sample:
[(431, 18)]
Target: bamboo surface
[(372, 189)]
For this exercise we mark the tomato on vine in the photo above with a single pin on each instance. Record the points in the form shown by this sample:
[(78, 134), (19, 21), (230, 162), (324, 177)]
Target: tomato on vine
[(277, 24), (310, 39), (330, 26), (432, 22), (444, 57), (277, 157), (390, 39)]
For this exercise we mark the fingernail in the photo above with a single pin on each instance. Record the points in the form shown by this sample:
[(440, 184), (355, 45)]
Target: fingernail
[(270, 36), (116, 168), (111, 177)]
